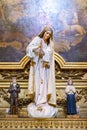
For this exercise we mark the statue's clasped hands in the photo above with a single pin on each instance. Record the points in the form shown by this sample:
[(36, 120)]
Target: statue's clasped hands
[(39, 51)]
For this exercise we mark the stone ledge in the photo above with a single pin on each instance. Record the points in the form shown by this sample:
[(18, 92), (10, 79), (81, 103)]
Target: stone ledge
[(42, 123)]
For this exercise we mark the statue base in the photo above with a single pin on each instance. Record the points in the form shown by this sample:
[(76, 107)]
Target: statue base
[(11, 116), (73, 116)]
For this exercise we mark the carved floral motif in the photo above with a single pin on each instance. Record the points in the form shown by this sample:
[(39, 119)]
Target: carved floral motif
[(59, 73)]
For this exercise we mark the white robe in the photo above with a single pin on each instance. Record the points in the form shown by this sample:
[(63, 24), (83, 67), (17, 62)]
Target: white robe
[(70, 89), (42, 81)]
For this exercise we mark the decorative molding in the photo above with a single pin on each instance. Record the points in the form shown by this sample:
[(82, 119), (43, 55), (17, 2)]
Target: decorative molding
[(38, 123), (66, 73), (58, 59), (14, 65), (69, 65), (23, 74), (60, 84)]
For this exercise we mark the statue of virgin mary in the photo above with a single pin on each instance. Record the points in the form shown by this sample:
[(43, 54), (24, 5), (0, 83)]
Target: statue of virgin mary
[(41, 86)]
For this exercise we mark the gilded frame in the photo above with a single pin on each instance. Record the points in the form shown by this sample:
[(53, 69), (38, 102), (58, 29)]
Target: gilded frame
[(58, 59), (63, 65)]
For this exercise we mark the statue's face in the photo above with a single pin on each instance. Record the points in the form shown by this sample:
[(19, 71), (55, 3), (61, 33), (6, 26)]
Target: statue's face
[(14, 80), (70, 82), (47, 35)]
